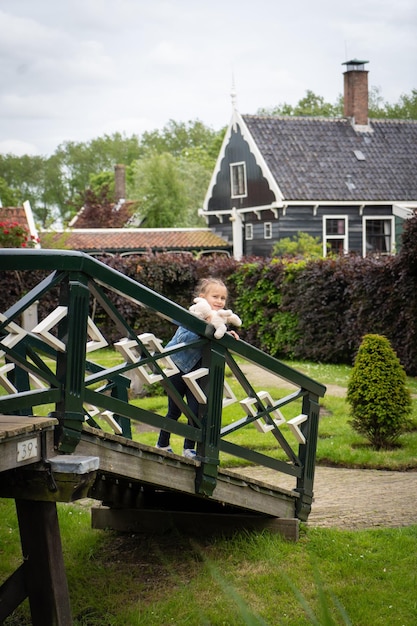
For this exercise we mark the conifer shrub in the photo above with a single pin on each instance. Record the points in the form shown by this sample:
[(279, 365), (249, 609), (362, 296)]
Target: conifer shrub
[(379, 398)]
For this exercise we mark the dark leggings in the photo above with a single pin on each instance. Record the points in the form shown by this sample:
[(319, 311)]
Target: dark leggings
[(174, 412)]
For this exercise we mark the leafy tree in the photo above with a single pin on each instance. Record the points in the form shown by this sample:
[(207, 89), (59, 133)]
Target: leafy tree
[(160, 192), (315, 105), (100, 211), (378, 395), (80, 161), (405, 109), (179, 138), (8, 196), (24, 174), (103, 179), (311, 104), (196, 178), (302, 246)]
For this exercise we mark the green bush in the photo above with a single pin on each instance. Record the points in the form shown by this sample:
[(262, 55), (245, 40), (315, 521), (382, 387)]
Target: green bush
[(378, 395), (303, 246)]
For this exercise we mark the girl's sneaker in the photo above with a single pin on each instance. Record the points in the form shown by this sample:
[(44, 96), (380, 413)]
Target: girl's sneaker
[(189, 453), (165, 448)]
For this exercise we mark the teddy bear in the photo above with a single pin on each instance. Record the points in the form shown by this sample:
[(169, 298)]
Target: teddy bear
[(219, 319)]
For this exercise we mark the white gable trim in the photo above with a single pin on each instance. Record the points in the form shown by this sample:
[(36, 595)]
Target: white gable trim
[(238, 120), (259, 159), (31, 222)]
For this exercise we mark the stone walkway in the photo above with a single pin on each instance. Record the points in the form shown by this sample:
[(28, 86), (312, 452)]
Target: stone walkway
[(348, 498), (355, 498)]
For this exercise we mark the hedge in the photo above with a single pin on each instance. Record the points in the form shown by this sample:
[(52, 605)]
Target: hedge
[(312, 310)]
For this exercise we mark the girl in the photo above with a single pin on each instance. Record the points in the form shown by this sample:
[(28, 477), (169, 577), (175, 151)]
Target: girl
[(215, 292)]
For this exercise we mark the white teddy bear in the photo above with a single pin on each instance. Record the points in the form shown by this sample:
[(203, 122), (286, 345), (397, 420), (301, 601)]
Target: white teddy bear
[(219, 318)]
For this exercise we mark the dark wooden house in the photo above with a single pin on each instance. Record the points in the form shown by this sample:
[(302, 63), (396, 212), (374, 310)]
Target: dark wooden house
[(350, 181)]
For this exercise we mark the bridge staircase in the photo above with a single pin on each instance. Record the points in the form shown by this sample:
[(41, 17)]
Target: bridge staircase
[(70, 427)]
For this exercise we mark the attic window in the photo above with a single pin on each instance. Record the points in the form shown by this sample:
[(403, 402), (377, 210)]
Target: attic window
[(359, 155), (238, 180)]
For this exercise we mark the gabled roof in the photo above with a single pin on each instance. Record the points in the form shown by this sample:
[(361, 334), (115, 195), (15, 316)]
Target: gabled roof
[(328, 159), (138, 239)]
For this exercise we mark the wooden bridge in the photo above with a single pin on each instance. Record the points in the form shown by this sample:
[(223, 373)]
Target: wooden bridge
[(66, 424)]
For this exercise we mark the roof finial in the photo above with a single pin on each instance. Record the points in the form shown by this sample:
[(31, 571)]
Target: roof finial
[(233, 94)]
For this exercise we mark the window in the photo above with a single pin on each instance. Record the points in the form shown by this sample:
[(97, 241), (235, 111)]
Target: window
[(378, 235), (248, 231), (335, 235), (267, 230), (238, 180)]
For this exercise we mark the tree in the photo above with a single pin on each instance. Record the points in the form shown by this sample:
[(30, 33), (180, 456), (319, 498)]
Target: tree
[(311, 104), (405, 109), (314, 105), (100, 210), (179, 138), (78, 162), (378, 395), (160, 192), (8, 196)]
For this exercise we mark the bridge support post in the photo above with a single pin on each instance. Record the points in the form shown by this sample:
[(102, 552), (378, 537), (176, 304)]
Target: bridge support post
[(208, 450), (308, 457), (44, 574)]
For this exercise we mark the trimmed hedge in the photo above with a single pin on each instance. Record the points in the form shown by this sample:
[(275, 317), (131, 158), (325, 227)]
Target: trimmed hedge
[(313, 310), (380, 401)]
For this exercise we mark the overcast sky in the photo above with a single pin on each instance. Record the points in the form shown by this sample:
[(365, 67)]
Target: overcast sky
[(73, 70)]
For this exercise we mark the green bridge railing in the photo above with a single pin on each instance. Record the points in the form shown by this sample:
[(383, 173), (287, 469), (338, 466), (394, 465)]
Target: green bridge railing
[(50, 365)]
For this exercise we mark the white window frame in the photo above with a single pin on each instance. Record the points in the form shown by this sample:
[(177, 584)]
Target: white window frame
[(327, 238), (378, 218), (248, 232), (238, 193), (267, 230)]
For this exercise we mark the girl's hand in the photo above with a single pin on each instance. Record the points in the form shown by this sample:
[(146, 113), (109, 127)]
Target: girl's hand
[(234, 334)]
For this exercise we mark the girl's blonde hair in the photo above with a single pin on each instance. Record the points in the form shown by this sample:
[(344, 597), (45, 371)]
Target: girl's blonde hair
[(204, 283)]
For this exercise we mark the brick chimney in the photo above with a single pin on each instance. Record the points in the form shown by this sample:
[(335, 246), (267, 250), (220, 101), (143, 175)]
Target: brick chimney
[(356, 92), (119, 183)]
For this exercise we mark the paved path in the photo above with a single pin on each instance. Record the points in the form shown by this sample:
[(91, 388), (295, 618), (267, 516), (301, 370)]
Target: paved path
[(348, 498), (355, 498)]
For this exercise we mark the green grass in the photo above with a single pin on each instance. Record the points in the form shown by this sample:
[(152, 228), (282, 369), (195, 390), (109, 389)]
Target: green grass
[(327, 577), (338, 444)]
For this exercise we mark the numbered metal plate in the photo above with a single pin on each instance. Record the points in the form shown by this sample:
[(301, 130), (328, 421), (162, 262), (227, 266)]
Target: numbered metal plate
[(27, 449)]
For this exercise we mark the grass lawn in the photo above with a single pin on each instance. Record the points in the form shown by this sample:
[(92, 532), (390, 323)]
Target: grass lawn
[(328, 577)]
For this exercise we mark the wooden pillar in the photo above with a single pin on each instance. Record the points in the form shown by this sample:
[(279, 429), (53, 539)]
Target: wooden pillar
[(44, 571)]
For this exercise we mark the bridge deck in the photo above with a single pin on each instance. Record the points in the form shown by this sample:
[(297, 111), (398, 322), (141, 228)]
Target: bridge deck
[(160, 471), (21, 439)]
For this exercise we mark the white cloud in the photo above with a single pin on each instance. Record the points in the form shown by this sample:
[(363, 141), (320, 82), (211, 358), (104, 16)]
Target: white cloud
[(18, 148), (89, 67)]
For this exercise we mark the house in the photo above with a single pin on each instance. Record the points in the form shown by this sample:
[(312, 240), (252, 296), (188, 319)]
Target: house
[(129, 241), (350, 181), (21, 215)]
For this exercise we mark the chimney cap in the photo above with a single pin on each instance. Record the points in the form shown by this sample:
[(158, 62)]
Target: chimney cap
[(355, 65)]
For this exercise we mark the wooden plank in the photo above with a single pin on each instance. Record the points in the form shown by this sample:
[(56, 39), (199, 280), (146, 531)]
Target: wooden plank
[(189, 522), (12, 593), (13, 425), (154, 467), (143, 463), (45, 577)]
